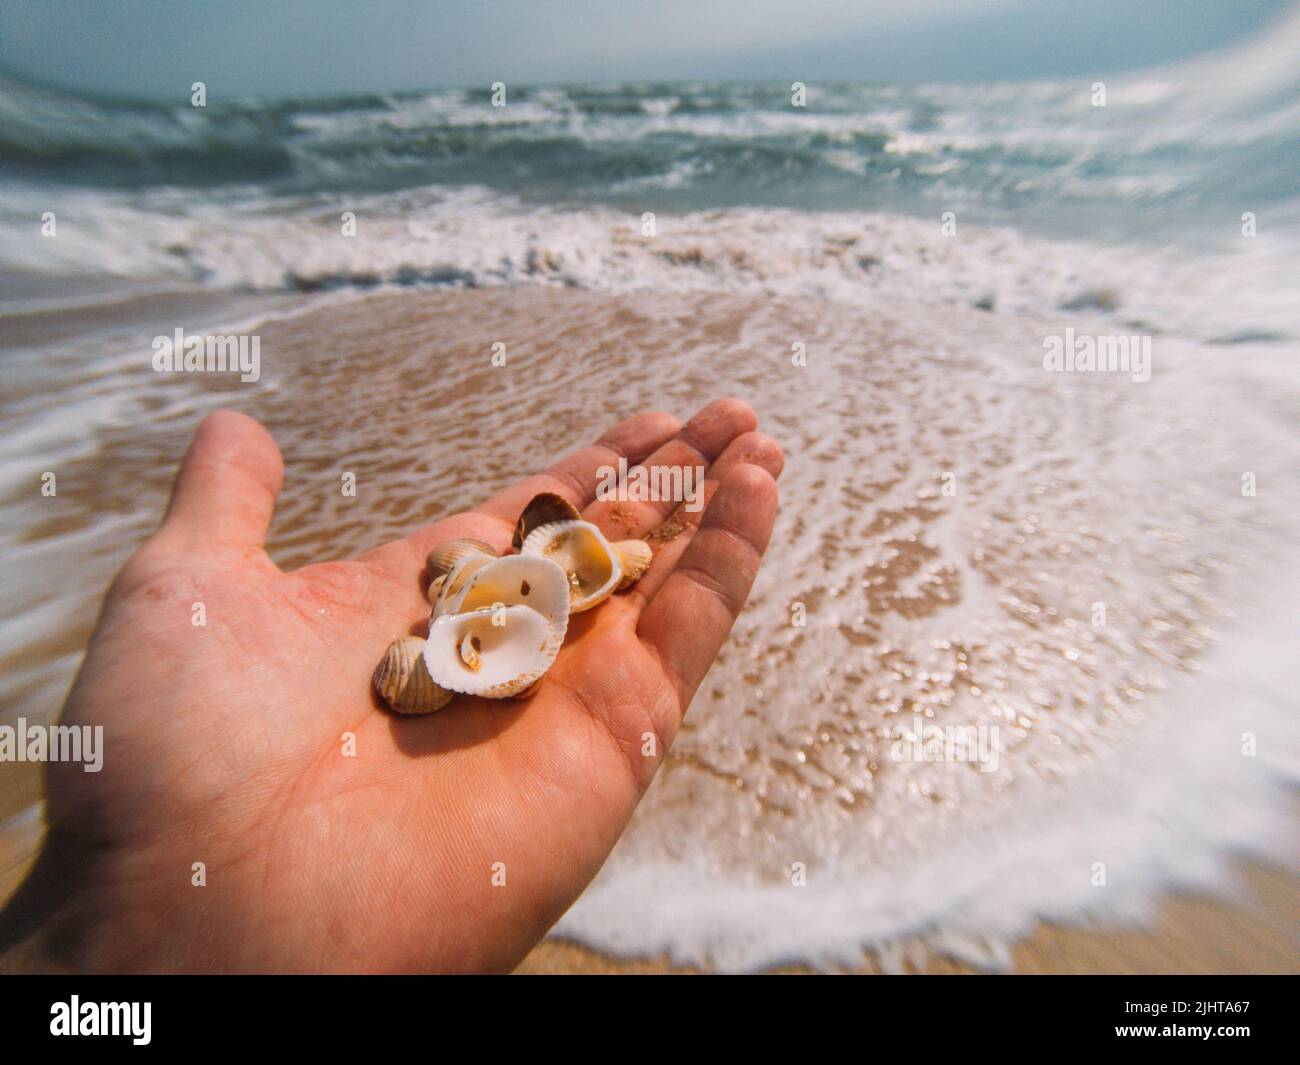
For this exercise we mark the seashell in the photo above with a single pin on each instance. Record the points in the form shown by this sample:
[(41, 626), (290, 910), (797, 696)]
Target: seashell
[(403, 682), (635, 557), (491, 652), (443, 558), (453, 583), (471, 651), (516, 580), (542, 510), (590, 563), (435, 588)]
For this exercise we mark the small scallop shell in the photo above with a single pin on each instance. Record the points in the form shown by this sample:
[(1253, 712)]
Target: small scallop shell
[(490, 652), (403, 682), (590, 563), (635, 557), (443, 558), (543, 510)]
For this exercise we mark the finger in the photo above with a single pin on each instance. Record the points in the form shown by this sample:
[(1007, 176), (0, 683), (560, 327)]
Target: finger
[(692, 613), (225, 492), (574, 477), (692, 451), (670, 540)]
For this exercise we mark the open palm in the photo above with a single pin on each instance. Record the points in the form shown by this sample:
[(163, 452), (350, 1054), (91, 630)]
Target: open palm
[(332, 834)]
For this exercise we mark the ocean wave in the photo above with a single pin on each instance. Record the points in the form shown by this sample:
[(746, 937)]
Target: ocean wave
[(472, 237), (1169, 147)]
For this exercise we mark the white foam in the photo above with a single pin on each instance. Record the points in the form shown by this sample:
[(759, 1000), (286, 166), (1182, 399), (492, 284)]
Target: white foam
[(1164, 810), (471, 236)]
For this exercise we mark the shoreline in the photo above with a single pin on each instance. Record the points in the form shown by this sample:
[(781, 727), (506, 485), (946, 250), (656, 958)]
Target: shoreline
[(1189, 933), (989, 633)]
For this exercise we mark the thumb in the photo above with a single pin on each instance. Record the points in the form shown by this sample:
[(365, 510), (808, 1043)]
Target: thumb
[(225, 491)]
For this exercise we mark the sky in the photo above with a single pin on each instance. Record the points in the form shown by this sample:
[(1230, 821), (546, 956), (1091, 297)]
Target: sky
[(238, 48)]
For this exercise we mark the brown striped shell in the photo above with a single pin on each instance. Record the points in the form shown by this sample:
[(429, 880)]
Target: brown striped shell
[(442, 558), (634, 557), (403, 682), (542, 510)]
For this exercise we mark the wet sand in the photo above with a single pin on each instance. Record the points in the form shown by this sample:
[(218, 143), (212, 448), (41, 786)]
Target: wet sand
[(1188, 935), (966, 609)]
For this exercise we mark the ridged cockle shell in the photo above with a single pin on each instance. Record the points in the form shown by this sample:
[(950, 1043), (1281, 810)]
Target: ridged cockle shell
[(542, 510), (451, 584), (402, 679), (495, 652), (635, 557), (435, 588), (516, 580), (442, 558)]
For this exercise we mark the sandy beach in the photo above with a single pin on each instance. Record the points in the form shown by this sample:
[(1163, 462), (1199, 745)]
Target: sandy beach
[(1186, 935), (971, 607)]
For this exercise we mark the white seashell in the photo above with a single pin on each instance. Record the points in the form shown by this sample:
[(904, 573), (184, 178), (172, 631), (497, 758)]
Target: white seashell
[(469, 651), (587, 558), (493, 652), (516, 580), (435, 588), (403, 682), (635, 557), (453, 583)]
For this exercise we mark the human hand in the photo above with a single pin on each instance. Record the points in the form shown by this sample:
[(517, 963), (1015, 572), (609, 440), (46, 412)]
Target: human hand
[(225, 743)]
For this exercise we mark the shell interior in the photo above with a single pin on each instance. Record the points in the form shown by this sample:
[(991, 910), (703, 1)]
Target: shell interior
[(456, 580), (493, 652), (517, 580), (581, 550), (542, 509)]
